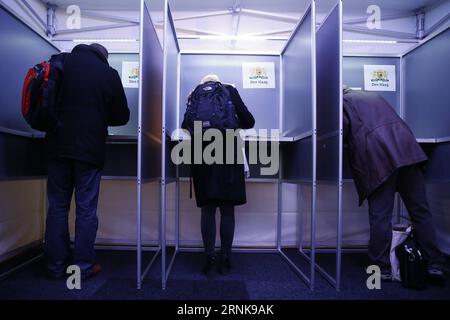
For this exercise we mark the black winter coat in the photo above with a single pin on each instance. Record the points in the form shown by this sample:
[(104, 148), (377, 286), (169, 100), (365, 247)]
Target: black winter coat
[(379, 141), (223, 183), (91, 99)]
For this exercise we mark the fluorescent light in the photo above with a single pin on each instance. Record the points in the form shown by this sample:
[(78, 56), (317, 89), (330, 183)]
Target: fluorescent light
[(103, 40), (232, 38), (370, 41)]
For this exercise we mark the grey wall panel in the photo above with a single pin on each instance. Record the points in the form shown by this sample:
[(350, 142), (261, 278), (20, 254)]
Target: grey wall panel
[(262, 103), (21, 157), (21, 48), (297, 80), (120, 160), (426, 88), (328, 52), (438, 194), (297, 160), (328, 159), (437, 167), (115, 61), (353, 75), (151, 101)]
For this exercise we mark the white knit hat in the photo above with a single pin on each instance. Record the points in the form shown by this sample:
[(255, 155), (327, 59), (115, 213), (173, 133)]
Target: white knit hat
[(209, 78)]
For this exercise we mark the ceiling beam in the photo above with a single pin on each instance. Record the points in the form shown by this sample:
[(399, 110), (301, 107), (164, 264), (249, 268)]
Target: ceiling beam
[(194, 31), (34, 14), (270, 15), (437, 25), (270, 32), (96, 28), (406, 14), (104, 16), (379, 32), (202, 15), (236, 11)]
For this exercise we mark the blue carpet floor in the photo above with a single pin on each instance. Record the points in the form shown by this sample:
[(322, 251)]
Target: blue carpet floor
[(254, 276)]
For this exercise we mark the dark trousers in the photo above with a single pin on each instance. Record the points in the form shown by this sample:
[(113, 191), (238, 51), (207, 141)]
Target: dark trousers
[(65, 176), (409, 182), (208, 224)]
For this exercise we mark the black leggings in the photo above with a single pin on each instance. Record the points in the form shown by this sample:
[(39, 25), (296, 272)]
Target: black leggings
[(226, 228)]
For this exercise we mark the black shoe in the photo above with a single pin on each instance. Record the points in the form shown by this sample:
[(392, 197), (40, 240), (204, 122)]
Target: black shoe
[(436, 274), (386, 276), (96, 269), (56, 276), (209, 264), (225, 265)]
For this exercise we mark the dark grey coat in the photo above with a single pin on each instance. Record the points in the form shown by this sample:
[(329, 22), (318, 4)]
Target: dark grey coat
[(379, 140), (223, 183), (92, 98)]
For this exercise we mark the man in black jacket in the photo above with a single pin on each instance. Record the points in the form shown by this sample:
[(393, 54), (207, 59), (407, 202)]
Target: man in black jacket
[(385, 158), (91, 99)]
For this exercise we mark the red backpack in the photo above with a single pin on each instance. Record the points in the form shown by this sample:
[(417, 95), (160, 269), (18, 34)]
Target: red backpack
[(40, 93)]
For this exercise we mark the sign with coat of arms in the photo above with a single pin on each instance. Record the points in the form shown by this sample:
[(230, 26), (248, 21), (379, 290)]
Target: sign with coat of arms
[(379, 78), (130, 74), (258, 75)]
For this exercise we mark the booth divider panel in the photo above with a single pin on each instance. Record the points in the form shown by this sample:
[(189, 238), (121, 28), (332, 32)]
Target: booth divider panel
[(328, 98), (262, 103), (297, 160), (426, 88), (329, 137), (297, 80), (151, 101)]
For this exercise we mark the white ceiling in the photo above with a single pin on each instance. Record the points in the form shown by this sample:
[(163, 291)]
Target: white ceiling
[(350, 6), (128, 5), (246, 23)]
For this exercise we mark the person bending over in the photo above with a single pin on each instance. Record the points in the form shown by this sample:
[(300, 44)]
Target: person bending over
[(385, 158)]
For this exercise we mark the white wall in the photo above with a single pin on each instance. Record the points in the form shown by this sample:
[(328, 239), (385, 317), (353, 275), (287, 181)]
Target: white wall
[(22, 207), (255, 221)]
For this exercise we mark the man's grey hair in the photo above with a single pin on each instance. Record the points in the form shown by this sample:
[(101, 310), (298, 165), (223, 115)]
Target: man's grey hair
[(101, 49)]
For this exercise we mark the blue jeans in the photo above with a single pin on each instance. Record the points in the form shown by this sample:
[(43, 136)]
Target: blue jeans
[(65, 175)]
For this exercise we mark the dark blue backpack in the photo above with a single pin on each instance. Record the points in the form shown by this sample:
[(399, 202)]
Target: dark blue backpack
[(211, 104)]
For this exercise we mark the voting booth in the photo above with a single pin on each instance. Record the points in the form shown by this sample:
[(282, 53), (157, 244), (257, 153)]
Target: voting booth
[(306, 212), (23, 156), (286, 102)]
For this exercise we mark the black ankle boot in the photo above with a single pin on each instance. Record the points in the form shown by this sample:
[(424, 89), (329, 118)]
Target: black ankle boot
[(209, 264), (225, 264)]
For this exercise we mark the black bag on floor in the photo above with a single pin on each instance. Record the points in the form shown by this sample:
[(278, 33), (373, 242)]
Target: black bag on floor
[(413, 270)]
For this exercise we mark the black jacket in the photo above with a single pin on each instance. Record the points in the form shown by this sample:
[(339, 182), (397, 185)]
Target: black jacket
[(91, 99), (223, 183), (379, 141)]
